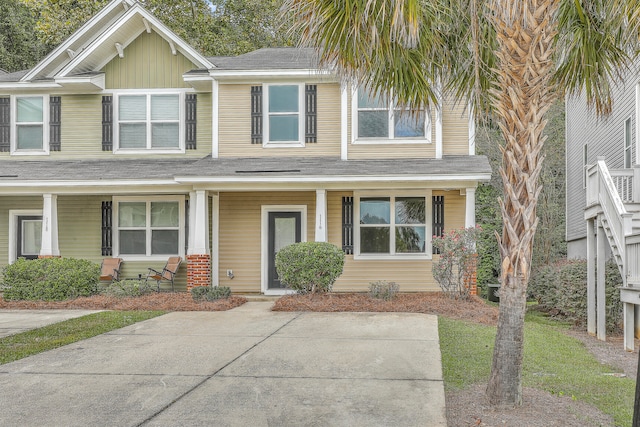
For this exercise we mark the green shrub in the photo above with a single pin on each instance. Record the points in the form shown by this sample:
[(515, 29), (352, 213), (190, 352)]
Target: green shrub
[(50, 279), (127, 288), (384, 290), (561, 289), (210, 293), (310, 266)]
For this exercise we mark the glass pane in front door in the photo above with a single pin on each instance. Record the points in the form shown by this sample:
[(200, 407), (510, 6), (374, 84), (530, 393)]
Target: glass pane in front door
[(284, 229), (29, 236)]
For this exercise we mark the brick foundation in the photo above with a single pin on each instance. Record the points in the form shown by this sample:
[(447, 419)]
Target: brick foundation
[(471, 280), (198, 270)]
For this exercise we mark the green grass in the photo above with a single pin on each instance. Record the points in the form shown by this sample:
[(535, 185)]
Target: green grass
[(28, 343), (553, 362)]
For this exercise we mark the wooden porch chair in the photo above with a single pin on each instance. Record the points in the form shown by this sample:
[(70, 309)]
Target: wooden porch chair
[(167, 274), (110, 269)]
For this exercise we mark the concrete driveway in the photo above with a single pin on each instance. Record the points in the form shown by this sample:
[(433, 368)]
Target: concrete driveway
[(244, 367)]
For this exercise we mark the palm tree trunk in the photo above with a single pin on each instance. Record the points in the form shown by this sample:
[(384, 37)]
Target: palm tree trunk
[(525, 32)]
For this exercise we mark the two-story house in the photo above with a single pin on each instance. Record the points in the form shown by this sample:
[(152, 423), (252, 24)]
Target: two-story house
[(603, 199), (126, 142)]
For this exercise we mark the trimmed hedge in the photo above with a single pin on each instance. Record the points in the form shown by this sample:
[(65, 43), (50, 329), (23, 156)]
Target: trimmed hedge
[(310, 266), (561, 289), (50, 279)]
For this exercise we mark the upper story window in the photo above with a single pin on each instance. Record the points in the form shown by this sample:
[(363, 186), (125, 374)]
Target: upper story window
[(150, 121), (377, 118), (284, 115), (30, 124), (391, 225), (283, 108)]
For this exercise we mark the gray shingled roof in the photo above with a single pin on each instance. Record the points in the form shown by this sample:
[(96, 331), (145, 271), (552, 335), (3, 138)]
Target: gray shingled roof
[(241, 168), (272, 58), (13, 77)]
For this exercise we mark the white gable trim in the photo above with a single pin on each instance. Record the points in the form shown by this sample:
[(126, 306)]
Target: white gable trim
[(136, 12), (69, 42)]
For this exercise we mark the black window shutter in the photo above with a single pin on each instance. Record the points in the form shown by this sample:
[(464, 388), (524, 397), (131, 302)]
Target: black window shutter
[(310, 133), (107, 123), (347, 225), (256, 114), (438, 217), (55, 113), (5, 124), (107, 248), (191, 102)]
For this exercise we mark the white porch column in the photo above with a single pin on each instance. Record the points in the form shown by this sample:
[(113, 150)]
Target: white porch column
[(470, 211), (600, 290), (49, 247), (215, 244), (200, 243), (591, 277), (321, 216)]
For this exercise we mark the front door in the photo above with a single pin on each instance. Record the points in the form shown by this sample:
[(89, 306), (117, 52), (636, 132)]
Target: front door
[(28, 236), (284, 229)]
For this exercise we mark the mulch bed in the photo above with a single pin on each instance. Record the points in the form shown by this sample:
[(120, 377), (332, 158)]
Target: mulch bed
[(474, 309), (157, 301)]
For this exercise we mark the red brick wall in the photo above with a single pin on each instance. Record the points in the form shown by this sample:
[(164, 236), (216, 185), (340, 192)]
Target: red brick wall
[(471, 280), (198, 270)]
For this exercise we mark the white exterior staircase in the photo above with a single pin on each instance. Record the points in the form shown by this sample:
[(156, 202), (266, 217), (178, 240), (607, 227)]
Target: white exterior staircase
[(613, 209)]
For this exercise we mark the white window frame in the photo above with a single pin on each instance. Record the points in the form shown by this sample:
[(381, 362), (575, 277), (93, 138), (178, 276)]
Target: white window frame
[(14, 127), (148, 93), (390, 139), (266, 114), (585, 165), (148, 228), (392, 225), (628, 144), (13, 227)]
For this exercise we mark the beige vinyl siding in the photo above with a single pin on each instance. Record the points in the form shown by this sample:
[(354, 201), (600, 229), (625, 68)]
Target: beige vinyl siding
[(240, 241), (411, 275), (455, 129), (235, 124), (147, 63)]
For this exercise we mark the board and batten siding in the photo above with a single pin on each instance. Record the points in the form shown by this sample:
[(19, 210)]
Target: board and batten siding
[(234, 133), (147, 64), (240, 236), (411, 275), (604, 137)]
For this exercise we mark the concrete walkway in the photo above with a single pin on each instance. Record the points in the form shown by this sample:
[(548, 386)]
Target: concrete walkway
[(244, 367)]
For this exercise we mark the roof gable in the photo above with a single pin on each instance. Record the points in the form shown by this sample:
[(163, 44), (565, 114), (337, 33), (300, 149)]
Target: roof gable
[(104, 37)]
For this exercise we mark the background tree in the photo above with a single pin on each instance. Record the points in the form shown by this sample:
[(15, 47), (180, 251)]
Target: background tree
[(19, 48), (512, 60)]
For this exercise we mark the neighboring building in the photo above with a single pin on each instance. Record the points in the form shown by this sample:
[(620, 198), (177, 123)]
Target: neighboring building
[(126, 142), (603, 196)]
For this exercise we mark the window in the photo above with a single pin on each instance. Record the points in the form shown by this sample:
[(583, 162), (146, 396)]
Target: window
[(149, 121), (376, 117), (627, 143), (283, 110), (150, 227), (391, 225), (30, 119)]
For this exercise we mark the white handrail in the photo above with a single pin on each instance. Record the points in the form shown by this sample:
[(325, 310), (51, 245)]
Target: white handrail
[(613, 207)]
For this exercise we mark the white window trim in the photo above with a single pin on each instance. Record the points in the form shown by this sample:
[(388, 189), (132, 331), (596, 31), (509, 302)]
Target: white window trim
[(148, 200), (264, 244), (148, 92), (585, 165), (13, 228), (628, 144), (301, 117), (391, 139), (393, 256), (14, 127)]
